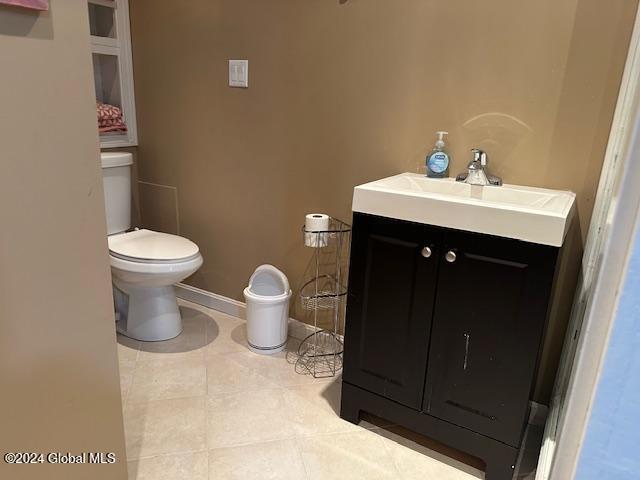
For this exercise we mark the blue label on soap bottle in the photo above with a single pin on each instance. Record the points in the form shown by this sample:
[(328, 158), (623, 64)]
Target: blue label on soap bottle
[(439, 162)]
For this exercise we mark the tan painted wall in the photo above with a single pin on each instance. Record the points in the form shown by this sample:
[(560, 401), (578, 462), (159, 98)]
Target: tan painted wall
[(344, 92), (59, 386)]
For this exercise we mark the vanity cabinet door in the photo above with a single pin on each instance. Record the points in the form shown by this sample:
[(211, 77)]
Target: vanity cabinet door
[(488, 322), (391, 292)]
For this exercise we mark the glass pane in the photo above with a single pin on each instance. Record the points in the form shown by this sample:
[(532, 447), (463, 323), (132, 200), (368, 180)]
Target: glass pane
[(107, 79), (102, 21)]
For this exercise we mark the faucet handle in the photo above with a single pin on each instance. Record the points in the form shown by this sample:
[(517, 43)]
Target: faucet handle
[(479, 156)]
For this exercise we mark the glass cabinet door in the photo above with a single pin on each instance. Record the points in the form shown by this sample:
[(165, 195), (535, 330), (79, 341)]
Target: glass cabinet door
[(102, 22), (107, 79)]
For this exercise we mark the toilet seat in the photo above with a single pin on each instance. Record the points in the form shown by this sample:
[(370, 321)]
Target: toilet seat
[(144, 258), (147, 246), (136, 266)]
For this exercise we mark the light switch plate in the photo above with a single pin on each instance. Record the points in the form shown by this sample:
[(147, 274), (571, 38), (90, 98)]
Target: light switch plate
[(239, 73)]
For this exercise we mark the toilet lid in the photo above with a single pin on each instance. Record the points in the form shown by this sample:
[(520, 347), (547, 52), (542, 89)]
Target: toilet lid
[(147, 245)]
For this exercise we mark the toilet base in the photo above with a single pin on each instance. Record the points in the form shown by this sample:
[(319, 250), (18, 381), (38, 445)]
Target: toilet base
[(149, 314)]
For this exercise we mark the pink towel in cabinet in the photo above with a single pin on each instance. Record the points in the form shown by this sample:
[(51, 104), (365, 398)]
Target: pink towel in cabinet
[(33, 4), (110, 118)]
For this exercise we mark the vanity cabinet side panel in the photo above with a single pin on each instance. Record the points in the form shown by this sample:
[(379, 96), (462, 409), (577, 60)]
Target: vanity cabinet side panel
[(392, 285)]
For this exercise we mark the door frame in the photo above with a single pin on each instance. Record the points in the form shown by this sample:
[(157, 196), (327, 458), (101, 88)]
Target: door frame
[(604, 265)]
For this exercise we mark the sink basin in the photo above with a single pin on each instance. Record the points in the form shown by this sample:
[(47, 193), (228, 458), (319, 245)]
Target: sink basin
[(536, 215)]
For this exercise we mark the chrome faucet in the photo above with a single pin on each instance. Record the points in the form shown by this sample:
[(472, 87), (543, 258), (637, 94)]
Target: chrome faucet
[(477, 172)]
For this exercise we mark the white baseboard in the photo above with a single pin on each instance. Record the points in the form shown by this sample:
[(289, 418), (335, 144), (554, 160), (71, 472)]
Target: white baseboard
[(297, 329), (211, 300)]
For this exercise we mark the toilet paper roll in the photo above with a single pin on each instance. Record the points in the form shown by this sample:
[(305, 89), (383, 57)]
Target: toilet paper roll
[(316, 222)]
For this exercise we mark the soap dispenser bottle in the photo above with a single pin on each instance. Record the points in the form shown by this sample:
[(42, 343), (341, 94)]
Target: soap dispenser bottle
[(438, 159)]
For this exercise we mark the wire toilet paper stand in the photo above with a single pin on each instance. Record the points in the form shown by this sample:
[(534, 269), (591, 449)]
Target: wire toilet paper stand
[(324, 296)]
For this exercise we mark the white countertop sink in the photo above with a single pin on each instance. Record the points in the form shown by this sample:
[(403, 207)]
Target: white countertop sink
[(536, 215)]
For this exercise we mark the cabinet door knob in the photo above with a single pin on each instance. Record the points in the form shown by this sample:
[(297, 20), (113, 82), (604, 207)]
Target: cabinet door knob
[(451, 256), (426, 252)]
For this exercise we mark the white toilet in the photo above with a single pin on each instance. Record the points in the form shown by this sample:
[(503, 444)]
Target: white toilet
[(144, 264)]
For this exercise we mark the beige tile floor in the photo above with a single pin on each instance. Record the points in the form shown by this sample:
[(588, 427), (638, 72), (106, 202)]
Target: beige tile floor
[(203, 407)]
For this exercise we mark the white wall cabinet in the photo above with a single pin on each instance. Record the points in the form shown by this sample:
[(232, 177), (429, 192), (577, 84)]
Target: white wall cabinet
[(113, 66)]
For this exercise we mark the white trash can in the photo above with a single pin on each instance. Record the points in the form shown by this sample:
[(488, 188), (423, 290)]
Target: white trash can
[(267, 299)]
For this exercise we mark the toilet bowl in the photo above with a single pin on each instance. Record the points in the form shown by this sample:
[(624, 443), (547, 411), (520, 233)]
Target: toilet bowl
[(144, 264)]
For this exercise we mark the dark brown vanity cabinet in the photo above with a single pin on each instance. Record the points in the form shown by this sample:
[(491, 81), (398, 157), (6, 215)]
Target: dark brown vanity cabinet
[(443, 333), (391, 298)]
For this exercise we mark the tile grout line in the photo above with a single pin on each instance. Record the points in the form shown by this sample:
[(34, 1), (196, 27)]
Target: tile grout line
[(185, 397), (396, 471), (125, 403), (300, 454), (133, 373), (387, 449), (169, 454), (138, 351)]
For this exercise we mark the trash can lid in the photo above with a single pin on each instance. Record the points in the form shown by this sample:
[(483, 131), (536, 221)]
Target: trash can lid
[(268, 281)]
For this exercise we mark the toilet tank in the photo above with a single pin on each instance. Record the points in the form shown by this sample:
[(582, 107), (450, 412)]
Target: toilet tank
[(116, 178)]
